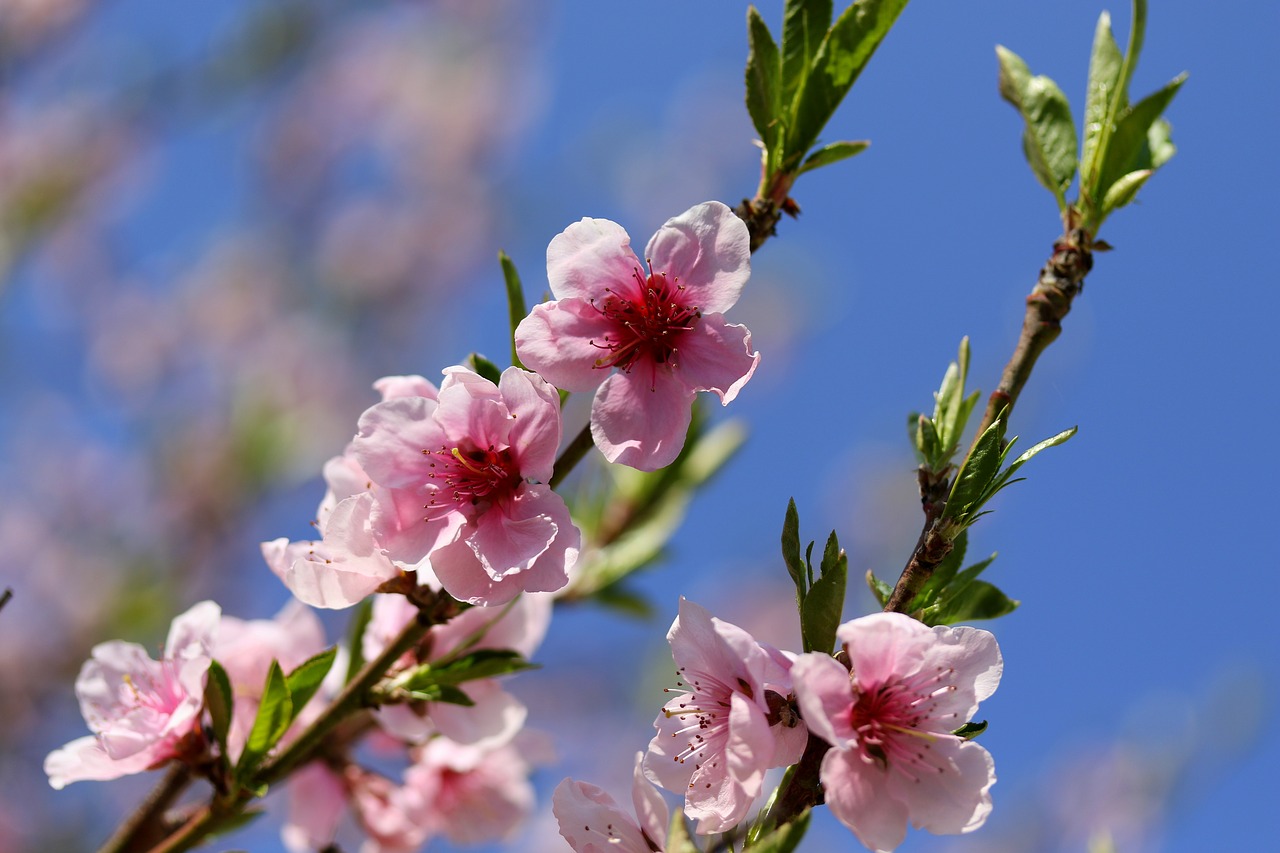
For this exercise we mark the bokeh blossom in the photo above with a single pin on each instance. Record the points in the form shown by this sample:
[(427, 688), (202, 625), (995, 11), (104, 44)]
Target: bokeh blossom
[(664, 330), (593, 822), (730, 723), (889, 719), (142, 712)]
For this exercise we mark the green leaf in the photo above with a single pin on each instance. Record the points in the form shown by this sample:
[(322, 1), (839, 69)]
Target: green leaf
[(879, 588), (355, 637), (678, 840), (306, 679), (442, 693), (482, 663), (804, 24), (786, 838), (977, 600), (942, 574), (791, 550), (516, 309), (971, 730), (930, 444), (1051, 441), (820, 613), (915, 434), (1105, 66), (843, 53), (833, 153), (1123, 191), (275, 712), (764, 88), (1160, 143), (1128, 150), (976, 475), (484, 367), (220, 701), (628, 602), (1049, 138)]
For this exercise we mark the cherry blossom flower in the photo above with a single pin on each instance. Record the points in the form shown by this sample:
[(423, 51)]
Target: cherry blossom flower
[(889, 720), (605, 827), (464, 478), (496, 715), (664, 330), (731, 722), (246, 648), (142, 712)]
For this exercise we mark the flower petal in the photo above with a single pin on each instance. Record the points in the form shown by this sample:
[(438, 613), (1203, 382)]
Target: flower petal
[(857, 795), (591, 820), (391, 438), (884, 646), (825, 696), (588, 257), (556, 341), (534, 435), (955, 799), (84, 759), (641, 418), (716, 356), (405, 386), (707, 249)]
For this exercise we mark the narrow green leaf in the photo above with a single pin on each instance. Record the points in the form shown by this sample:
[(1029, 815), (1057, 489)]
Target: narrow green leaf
[(1051, 441), (355, 637), (843, 53), (1104, 77), (830, 554), (804, 24), (482, 663), (484, 367), (976, 475), (624, 600), (678, 840), (879, 588), (971, 730), (220, 701), (822, 608), (931, 444), (306, 679), (275, 712), (516, 308), (764, 88), (791, 550), (833, 153), (1128, 150), (1049, 138), (1124, 190), (1160, 143), (978, 600), (915, 434), (786, 838), (442, 693)]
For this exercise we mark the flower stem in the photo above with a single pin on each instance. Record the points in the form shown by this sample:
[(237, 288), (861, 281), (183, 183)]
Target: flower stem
[(572, 455), (1061, 280), (145, 821), (801, 789)]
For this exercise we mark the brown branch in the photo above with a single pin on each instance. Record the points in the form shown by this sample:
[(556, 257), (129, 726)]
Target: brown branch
[(1061, 280), (145, 826)]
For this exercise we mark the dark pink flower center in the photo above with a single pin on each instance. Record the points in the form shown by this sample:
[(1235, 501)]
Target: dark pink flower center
[(644, 324), (460, 480), (896, 723)]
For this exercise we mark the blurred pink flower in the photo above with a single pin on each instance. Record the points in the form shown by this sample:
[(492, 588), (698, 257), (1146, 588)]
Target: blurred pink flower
[(889, 720), (246, 648), (664, 331), (465, 475), (730, 724), (604, 825), (142, 712)]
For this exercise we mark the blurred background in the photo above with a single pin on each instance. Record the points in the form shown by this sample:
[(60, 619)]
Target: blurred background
[(220, 222)]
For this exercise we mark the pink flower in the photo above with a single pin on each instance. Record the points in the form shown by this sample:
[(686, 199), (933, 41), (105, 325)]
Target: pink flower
[(663, 330), (496, 715), (592, 822), (142, 712), (731, 723), (889, 720), (246, 648), (464, 476), (350, 562)]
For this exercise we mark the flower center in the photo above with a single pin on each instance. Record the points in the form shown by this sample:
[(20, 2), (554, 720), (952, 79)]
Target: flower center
[(645, 324), (460, 479), (705, 713), (897, 722)]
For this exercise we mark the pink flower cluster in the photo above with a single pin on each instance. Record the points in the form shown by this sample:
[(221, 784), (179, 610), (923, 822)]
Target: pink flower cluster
[(889, 718)]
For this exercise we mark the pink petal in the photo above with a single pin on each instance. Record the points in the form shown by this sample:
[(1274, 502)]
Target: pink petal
[(825, 697), (588, 257), (707, 249), (462, 576), (857, 795), (641, 418), (507, 543), (975, 656), (716, 356), (535, 433), (472, 412), (492, 721), (84, 759), (556, 341), (955, 800), (317, 801), (391, 438), (651, 809), (590, 820), (885, 646), (405, 386)]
